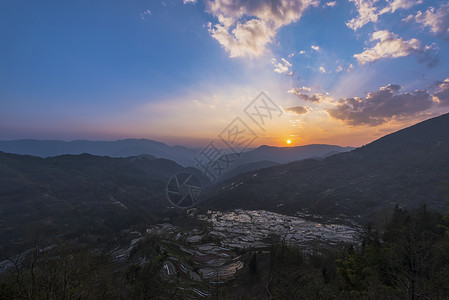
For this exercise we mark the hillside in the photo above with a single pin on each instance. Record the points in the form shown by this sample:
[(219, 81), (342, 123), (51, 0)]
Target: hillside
[(409, 167), (282, 155), (120, 148), (82, 194)]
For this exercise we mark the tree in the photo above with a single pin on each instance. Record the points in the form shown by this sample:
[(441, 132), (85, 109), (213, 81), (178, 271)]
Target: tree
[(253, 264)]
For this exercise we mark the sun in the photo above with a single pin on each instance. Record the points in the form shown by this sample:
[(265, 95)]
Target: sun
[(288, 141)]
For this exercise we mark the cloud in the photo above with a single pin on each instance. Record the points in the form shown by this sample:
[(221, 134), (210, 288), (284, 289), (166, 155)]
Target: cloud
[(442, 95), (351, 66), (299, 110), (312, 98), (381, 106), (300, 89), (281, 67), (246, 39), (367, 13), (392, 46), (245, 27), (322, 70), (331, 4), (294, 53), (145, 14), (189, 1), (316, 48), (394, 5), (436, 20)]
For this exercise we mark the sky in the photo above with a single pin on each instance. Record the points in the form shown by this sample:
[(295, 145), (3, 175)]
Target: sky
[(181, 71)]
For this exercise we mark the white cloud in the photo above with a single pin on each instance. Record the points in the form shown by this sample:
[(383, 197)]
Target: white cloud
[(351, 66), (299, 90), (331, 4), (145, 14), (189, 1), (394, 5), (245, 27), (391, 46), (286, 62), (247, 39), (339, 69), (295, 53), (322, 69), (367, 13), (282, 67), (442, 95), (316, 48), (436, 20)]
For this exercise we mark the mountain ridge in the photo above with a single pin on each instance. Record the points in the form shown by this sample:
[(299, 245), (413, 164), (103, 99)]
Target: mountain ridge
[(180, 154), (404, 168)]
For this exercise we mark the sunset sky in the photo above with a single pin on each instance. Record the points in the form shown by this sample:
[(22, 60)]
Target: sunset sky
[(179, 71)]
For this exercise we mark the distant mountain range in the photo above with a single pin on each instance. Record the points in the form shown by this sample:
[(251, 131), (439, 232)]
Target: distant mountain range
[(267, 156), (181, 155), (409, 168), (282, 155), (120, 148)]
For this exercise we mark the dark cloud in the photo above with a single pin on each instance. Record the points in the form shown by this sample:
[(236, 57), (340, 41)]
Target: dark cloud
[(442, 94), (381, 106), (300, 110)]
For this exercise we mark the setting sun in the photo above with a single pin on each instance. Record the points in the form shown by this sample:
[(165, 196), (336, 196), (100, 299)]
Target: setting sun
[(288, 141)]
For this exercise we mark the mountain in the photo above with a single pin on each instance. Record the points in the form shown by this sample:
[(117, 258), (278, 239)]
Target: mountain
[(81, 194), (282, 155), (179, 154), (244, 168), (120, 148), (409, 168), (266, 156)]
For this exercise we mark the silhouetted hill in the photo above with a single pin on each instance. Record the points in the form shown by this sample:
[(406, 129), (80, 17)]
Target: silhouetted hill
[(120, 148), (407, 167), (244, 168), (179, 154), (80, 194), (284, 155), (266, 156)]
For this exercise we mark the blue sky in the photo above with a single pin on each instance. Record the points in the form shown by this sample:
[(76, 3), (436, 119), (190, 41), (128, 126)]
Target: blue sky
[(344, 72)]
